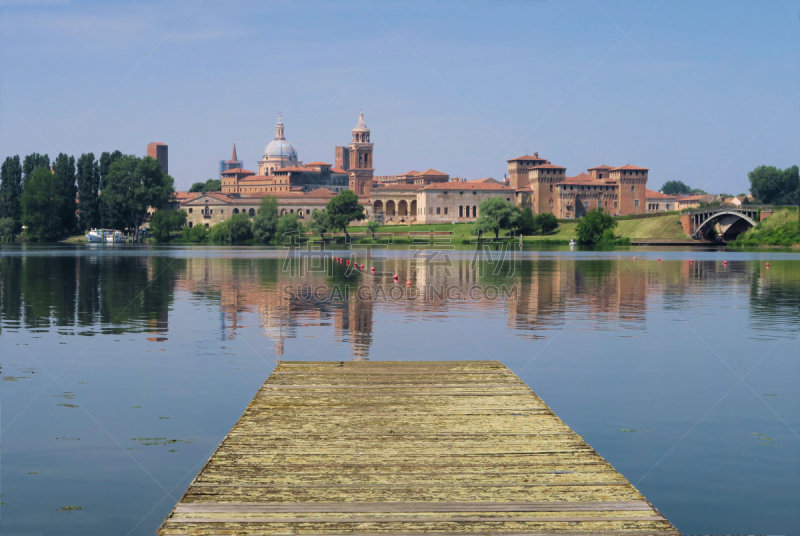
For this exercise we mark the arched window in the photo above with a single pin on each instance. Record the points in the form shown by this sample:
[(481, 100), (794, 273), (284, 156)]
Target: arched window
[(474, 211), (251, 212), (236, 211), (460, 211)]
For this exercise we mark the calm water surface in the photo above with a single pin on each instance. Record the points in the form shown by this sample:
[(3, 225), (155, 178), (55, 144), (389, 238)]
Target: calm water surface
[(123, 369)]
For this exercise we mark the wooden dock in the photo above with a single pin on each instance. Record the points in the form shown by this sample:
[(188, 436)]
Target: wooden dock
[(449, 447)]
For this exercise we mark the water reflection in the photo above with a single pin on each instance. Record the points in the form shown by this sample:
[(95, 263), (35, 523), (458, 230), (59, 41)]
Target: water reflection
[(116, 294), (87, 293)]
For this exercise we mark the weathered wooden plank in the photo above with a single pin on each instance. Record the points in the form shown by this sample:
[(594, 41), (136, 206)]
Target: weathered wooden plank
[(451, 447), (412, 507)]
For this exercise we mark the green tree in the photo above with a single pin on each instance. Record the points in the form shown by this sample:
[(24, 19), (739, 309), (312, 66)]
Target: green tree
[(319, 223), (11, 191), (373, 226), (343, 209), (265, 222), (88, 189), (288, 225), (103, 168), (546, 222), (769, 184), (675, 187), (7, 230), (593, 225), (526, 223), (211, 185), (42, 202), (234, 230), (165, 221), (195, 234), (33, 161), (496, 214), (132, 186), (64, 169), (220, 233)]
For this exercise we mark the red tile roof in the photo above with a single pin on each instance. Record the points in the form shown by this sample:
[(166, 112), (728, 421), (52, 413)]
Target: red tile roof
[(431, 171), (338, 170), (583, 178), (600, 167), (628, 167), (651, 194), (317, 164), (185, 196), (413, 172), (527, 157), (237, 171)]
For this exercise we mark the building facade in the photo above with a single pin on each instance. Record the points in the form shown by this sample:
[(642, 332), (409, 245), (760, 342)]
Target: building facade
[(545, 187)]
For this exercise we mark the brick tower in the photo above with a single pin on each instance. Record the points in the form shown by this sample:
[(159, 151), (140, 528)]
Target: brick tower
[(632, 187), (360, 152)]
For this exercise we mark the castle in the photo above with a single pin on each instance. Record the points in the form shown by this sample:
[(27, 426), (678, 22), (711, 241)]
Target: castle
[(544, 187)]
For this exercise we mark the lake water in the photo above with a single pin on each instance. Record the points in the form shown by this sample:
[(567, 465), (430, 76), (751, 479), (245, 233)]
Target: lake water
[(122, 369)]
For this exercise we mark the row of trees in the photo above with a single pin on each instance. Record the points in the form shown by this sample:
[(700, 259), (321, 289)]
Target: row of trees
[(498, 214), (679, 187), (55, 200), (211, 185), (769, 184)]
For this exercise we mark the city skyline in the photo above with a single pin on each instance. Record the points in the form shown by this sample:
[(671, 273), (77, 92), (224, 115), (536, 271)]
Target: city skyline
[(678, 87)]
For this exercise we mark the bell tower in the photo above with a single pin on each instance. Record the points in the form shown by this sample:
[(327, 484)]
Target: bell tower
[(360, 168)]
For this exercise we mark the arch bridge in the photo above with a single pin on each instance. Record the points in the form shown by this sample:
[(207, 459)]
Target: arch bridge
[(727, 221)]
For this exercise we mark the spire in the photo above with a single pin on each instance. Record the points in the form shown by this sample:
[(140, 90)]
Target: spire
[(233, 156), (279, 128), (361, 124)]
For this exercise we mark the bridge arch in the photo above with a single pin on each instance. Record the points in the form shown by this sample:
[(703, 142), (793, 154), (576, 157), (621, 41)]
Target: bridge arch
[(734, 219)]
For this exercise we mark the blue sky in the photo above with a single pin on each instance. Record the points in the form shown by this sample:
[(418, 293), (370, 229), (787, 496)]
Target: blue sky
[(697, 91)]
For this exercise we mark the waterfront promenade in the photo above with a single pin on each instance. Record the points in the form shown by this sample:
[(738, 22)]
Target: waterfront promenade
[(406, 447)]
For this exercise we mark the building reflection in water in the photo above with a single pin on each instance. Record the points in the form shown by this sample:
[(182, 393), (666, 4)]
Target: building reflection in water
[(116, 294)]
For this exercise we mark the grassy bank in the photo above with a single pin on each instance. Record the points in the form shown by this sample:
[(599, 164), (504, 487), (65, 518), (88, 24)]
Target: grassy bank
[(780, 229), (656, 227)]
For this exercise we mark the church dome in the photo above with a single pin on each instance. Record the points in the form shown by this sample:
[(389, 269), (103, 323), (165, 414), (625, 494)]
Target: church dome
[(279, 147)]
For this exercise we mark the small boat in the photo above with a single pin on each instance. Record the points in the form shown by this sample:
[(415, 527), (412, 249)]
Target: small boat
[(105, 236)]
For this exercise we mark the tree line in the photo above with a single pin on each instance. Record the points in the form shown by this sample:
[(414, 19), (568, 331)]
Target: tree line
[(43, 201)]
